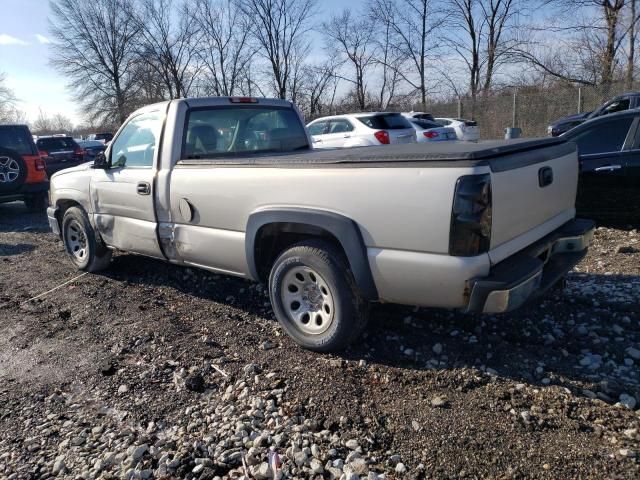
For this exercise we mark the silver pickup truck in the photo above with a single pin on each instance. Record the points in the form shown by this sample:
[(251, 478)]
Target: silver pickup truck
[(233, 186)]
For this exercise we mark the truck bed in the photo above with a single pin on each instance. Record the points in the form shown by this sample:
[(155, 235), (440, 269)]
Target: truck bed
[(500, 155)]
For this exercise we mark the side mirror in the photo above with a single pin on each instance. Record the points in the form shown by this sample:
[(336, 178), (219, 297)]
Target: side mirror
[(100, 161)]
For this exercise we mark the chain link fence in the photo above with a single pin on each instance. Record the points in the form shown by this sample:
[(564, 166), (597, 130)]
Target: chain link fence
[(529, 108)]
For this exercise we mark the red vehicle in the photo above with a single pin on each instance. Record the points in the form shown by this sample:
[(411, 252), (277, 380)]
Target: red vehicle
[(23, 173)]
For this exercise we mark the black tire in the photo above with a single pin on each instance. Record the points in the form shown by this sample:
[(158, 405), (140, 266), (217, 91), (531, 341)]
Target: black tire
[(78, 232), (9, 159), (37, 202), (350, 311)]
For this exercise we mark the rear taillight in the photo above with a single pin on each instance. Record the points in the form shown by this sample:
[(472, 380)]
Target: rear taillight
[(470, 232), (43, 154), (431, 134), (79, 151), (383, 137), (41, 165)]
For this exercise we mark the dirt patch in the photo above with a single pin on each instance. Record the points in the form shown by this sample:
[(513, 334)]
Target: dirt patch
[(150, 370)]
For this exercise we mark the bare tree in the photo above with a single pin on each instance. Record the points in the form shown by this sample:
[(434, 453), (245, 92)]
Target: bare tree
[(94, 42), (7, 100), (46, 124), (412, 23), (588, 45), (484, 36), (279, 28), (319, 83), (351, 39), (169, 44), (633, 19), (390, 59), (224, 46)]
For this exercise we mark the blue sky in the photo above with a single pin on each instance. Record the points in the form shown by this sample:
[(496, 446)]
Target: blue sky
[(25, 51), (24, 58)]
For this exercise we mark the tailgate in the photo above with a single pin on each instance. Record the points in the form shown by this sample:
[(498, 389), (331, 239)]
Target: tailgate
[(531, 196), (407, 135)]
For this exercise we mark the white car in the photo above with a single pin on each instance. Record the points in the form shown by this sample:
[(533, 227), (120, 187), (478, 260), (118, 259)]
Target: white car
[(361, 130), (465, 129), (428, 131)]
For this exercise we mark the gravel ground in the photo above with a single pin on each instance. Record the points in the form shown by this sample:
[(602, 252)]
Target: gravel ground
[(152, 371)]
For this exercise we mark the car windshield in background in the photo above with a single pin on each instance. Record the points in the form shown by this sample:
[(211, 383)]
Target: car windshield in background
[(56, 144), (468, 123), (426, 124), (16, 138), (107, 137), (232, 131), (393, 121)]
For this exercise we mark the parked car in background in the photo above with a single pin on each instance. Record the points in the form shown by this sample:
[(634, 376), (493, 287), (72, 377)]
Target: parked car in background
[(101, 137), (22, 170), (361, 130), (626, 101), (428, 131), (609, 156), (567, 123), (91, 148), (466, 130), (419, 115), (60, 152)]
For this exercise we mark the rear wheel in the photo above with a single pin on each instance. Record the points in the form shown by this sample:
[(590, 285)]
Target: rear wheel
[(315, 297), (84, 246), (37, 202)]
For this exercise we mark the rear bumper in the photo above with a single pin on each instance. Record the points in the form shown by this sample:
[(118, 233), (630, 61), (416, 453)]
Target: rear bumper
[(531, 272)]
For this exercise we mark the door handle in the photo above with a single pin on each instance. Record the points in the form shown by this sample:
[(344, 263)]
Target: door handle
[(144, 188), (608, 168), (347, 136)]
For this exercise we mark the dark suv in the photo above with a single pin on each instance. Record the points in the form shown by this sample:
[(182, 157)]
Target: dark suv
[(22, 170), (60, 152)]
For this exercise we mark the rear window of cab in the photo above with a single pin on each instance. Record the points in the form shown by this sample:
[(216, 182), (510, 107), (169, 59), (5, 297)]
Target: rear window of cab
[(392, 121), (218, 132)]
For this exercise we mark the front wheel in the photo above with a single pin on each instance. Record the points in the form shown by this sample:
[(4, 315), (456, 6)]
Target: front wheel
[(81, 242), (315, 297)]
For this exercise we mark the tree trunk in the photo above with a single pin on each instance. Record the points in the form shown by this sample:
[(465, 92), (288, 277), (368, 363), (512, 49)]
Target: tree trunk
[(632, 46)]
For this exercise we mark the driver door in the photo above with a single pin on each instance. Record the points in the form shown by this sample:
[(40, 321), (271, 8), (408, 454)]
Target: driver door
[(122, 195)]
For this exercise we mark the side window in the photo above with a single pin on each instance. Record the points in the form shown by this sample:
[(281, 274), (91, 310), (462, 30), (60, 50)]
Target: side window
[(317, 128), (136, 144), (616, 106), (340, 125), (605, 137)]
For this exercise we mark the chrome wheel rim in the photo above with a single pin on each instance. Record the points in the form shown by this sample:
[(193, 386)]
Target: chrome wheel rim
[(9, 169), (307, 300), (76, 240)]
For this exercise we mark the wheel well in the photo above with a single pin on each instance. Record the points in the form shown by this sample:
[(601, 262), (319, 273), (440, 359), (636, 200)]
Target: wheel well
[(274, 238), (63, 206)]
